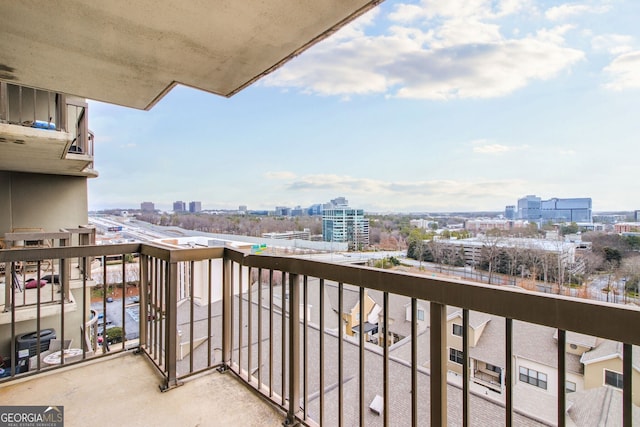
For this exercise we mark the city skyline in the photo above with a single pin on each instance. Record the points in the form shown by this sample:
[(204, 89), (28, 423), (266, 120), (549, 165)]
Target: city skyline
[(415, 107)]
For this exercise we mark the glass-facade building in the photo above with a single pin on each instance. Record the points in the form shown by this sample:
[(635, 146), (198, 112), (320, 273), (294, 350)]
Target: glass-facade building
[(344, 224), (533, 208)]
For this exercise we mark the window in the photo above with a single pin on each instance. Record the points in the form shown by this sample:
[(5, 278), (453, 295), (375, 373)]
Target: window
[(493, 368), (456, 356), (420, 314), (570, 386), (613, 379), (457, 330), (532, 377)]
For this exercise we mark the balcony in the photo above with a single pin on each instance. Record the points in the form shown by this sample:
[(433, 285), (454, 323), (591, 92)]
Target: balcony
[(44, 132), (267, 323)]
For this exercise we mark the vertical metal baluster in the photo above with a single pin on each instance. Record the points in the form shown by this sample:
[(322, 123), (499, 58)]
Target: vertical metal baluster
[(414, 364), (385, 366), (340, 354), (65, 293), (124, 298), (164, 282), (191, 315), (143, 304), (438, 377), (84, 309), (260, 329), (105, 286), (305, 325), (38, 325), (562, 376), (249, 327), (241, 321), (14, 360), (171, 327), (627, 381), (232, 285), (465, 368), (209, 304), (509, 372), (294, 348), (270, 333), (321, 350), (361, 357), (283, 344), (150, 308)]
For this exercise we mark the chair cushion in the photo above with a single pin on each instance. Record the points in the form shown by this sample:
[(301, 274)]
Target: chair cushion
[(33, 283)]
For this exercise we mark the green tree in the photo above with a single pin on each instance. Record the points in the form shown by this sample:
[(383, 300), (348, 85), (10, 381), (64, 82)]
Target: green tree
[(115, 334), (569, 229)]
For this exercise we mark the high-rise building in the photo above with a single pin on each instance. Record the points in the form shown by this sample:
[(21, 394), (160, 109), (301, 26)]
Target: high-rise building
[(510, 212), (529, 208), (179, 206), (195, 207), (147, 207), (533, 208), (566, 210), (315, 209), (282, 211), (344, 224)]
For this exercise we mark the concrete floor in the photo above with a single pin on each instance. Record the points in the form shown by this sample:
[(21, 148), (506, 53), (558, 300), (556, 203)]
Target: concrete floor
[(123, 390)]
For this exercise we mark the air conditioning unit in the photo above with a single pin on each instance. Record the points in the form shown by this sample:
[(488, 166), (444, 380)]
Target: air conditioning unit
[(27, 346)]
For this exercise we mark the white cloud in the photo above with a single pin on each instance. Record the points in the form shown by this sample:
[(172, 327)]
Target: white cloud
[(491, 149), (408, 195), (455, 54), (613, 43), (624, 72), (564, 11), (280, 175), (456, 9), (484, 146)]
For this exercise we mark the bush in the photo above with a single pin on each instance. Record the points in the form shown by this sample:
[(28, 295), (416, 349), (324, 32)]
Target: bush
[(115, 334)]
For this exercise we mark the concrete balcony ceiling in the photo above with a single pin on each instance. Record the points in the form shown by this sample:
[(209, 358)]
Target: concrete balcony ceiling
[(133, 53)]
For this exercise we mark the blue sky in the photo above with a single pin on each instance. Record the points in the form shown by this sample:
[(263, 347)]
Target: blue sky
[(431, 106)]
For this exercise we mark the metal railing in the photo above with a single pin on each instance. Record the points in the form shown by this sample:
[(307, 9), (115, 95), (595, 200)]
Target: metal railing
[(278, 323), (25, 106)]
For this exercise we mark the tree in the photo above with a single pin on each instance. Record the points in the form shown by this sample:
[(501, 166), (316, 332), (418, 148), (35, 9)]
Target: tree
[(569, 229), (115, 334)]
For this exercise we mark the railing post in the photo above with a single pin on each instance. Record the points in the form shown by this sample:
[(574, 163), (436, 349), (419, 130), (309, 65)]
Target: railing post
[(143, 305), (294, 348), (438, 378), (171, 327), (227, 300)]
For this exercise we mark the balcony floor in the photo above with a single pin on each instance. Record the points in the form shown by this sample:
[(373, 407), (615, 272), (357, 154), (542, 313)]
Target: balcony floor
[(123, 390)]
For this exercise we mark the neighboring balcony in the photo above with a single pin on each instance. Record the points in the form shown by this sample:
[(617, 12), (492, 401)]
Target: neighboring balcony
[(274, 325), (44, 132)]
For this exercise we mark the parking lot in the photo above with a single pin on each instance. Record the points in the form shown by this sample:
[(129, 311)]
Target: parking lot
[(114, 315)]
